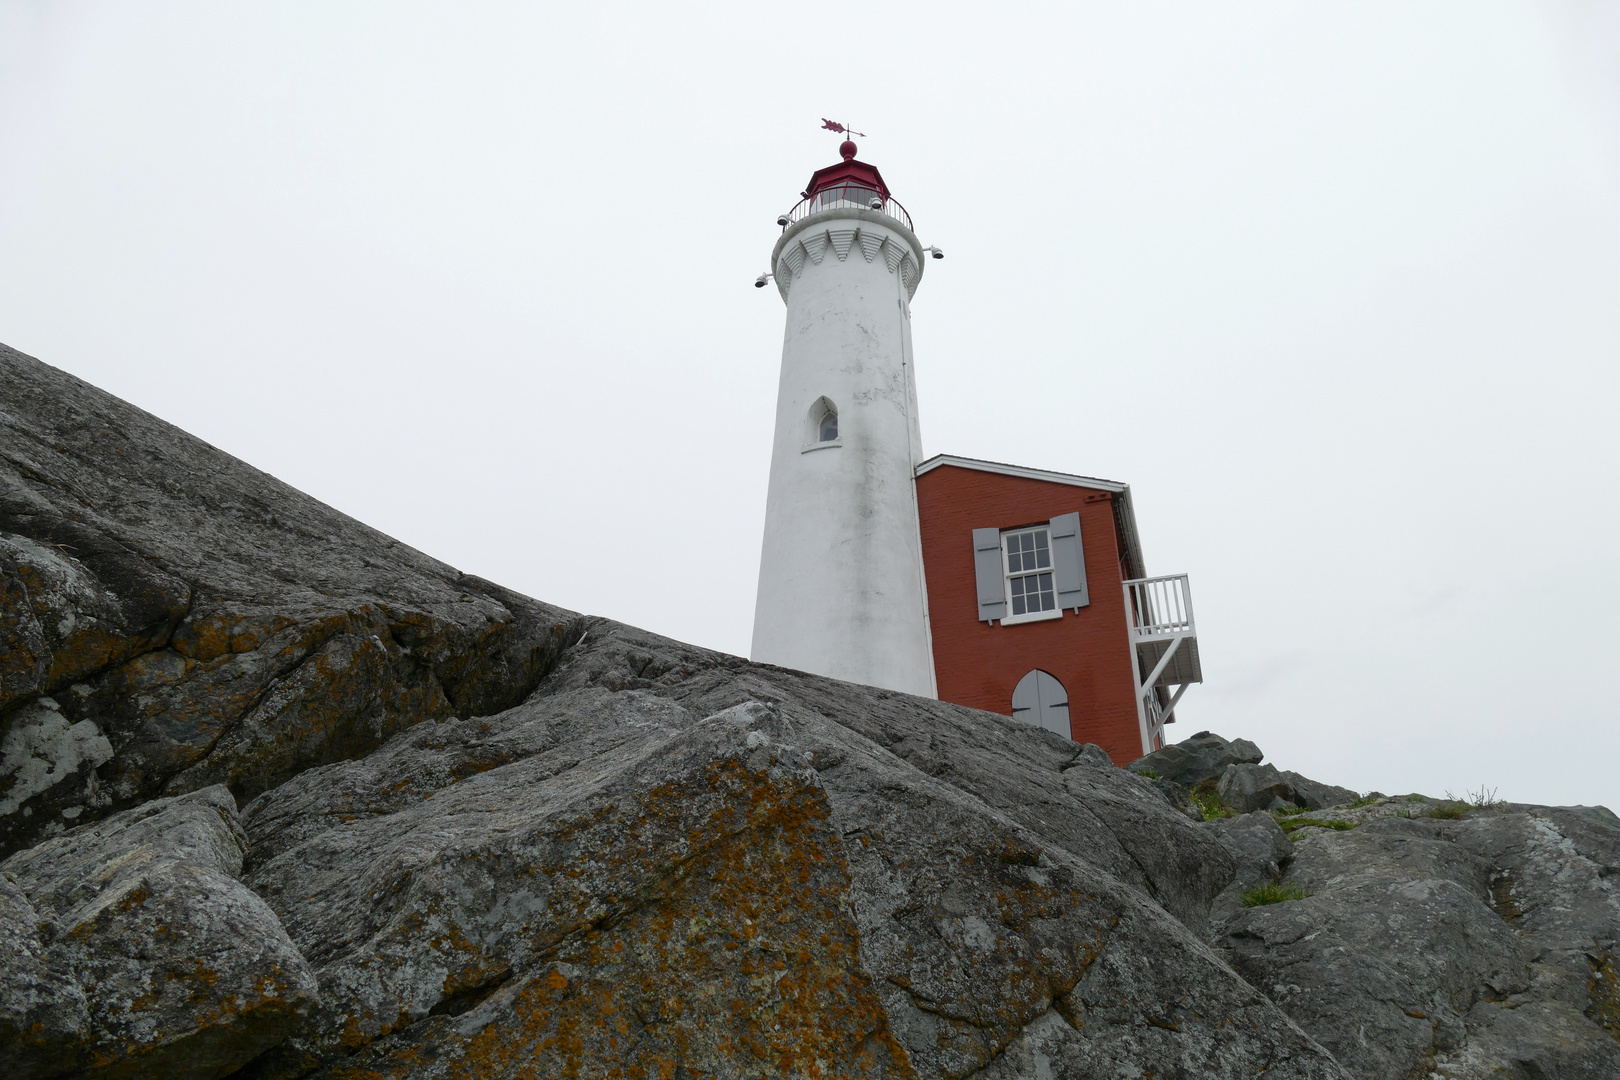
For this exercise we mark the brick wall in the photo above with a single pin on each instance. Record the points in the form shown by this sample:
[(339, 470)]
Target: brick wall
[(978, 664)]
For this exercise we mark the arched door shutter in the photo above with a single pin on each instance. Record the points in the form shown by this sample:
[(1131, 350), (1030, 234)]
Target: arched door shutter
[(987, 571), (1068, 563), (1040, 699)]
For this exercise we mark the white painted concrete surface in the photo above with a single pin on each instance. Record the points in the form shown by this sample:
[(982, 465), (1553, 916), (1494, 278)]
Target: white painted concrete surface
[(841, 577)]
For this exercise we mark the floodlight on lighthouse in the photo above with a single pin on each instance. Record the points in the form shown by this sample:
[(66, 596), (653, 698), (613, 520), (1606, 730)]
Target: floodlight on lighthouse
[(934, 251), (759, 282), (783, 220), (875, 202)]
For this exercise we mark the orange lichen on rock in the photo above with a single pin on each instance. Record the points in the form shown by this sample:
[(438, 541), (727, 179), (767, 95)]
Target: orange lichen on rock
[(744, 952)]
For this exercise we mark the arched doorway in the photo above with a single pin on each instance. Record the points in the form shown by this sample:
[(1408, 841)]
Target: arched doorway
[(1040, 699)]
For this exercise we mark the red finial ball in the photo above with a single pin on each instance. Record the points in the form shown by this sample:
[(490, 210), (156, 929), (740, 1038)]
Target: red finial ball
[(847, 149)]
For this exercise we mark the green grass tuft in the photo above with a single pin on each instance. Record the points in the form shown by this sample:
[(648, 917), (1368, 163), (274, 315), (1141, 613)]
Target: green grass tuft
[(1451, 811), (1206, 796), (1261, 895), (1147, 772)]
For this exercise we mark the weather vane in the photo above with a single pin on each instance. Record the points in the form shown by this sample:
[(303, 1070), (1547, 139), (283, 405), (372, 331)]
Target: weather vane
[(833, 125)]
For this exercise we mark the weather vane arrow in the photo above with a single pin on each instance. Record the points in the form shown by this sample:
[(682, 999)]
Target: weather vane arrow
[(833, 125)]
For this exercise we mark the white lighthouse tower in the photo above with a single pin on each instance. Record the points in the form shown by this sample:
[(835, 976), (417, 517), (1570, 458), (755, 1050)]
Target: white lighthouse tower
[(841, 573)]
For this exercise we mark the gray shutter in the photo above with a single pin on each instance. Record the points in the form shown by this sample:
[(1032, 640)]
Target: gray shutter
[(1069, 562), (987, 569)]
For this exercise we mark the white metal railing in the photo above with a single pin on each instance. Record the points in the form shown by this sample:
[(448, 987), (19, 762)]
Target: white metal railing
[(849, 196), (1161, 607)]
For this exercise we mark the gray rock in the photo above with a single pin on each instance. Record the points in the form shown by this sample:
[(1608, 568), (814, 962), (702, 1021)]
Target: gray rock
[(193, 621), (1204, 756), (1415, 953), (489, 838), (1093, 755), (1246, 788), (1554, 881), (614, 856), (1259, 849), (1317, 796), (1530, 1039), (137, 952), (1382, 973)]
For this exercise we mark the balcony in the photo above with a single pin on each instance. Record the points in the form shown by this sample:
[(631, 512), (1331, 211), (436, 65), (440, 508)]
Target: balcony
[(848, 197), (1164, 638)]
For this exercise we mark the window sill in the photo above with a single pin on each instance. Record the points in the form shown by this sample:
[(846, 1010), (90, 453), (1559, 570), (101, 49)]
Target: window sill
[(1039, 616), (828, 445)]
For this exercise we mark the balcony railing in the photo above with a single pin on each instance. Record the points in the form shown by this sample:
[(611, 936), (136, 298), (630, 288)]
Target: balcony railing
[(1161, 607), (1166, 646), (849, 197)]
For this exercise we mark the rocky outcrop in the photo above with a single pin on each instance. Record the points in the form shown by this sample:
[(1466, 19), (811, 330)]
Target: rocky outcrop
[(1205, 756), (1245, 788), (286, 799), (171, 618), (1479, 942), (136, 951)]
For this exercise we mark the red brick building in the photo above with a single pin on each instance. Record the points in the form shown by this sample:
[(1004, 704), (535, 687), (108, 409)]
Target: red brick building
[(1040, 607)]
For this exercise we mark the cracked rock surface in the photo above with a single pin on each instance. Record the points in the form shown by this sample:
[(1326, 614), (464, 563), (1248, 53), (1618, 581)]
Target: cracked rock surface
[(1460, 948), (283, 798)]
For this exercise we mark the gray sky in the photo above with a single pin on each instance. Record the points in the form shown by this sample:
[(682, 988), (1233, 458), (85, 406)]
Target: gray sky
[(1334, 286)]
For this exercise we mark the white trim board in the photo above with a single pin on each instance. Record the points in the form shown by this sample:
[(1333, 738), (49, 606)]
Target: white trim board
[(1018, 470)]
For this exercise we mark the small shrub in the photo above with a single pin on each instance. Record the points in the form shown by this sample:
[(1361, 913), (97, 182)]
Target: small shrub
[(1416, 798), (1483, 799), (1147, 772), (1451, 811), (1261, 895), (1206, 796), (1365, 800)]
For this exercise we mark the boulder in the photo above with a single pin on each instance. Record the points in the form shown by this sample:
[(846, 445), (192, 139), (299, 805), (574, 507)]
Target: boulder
[(1317, 796), (135, 951), (1246, 788), (1205, 756)]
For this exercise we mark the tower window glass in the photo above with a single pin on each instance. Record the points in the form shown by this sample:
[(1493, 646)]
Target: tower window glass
[(1029, 571), (822, 424)]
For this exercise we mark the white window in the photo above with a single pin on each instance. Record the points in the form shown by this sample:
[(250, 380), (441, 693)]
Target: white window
[(1027, 568), (821, 426)]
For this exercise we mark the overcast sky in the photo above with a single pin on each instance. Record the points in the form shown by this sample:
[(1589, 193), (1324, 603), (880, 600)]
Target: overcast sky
[(1334, 286)]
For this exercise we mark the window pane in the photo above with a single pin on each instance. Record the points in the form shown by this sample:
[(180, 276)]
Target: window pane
[(829, 427)]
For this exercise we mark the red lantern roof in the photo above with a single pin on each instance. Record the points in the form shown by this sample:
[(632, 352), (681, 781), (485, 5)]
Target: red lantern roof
[(848, 171)]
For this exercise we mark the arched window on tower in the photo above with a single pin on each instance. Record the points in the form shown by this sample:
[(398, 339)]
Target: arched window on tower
[(823, 422), (1040, 699)]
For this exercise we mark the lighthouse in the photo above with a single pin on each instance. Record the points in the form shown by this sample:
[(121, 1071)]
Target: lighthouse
[(841, 587)]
